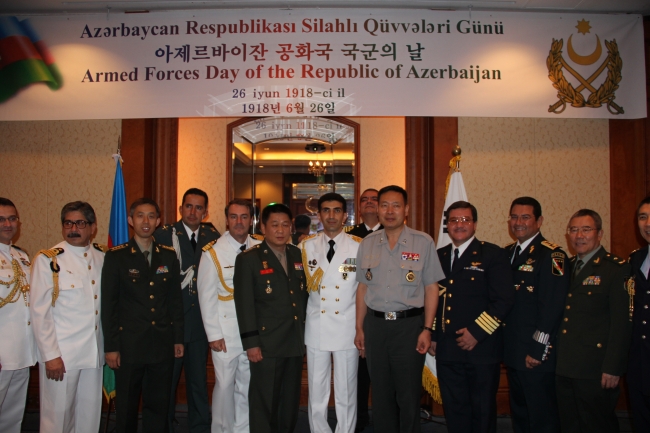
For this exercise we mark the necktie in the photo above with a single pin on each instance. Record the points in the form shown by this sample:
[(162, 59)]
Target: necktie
[(576, 270), (193, 241), (370, 231), (146, 257), (242, 248), (456, 264), (330, 253), (517, 252)]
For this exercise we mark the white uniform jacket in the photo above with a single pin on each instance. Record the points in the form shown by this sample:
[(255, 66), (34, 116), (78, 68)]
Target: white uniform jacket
[(215, 287), (71, 328), (331, 313), (17, 346)]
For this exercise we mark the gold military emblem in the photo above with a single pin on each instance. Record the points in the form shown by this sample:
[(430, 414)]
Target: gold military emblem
[(368, 275), (410, 276), (265, 264), (567, 94)]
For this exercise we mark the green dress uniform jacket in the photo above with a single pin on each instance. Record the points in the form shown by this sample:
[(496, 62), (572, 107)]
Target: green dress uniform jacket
[(596, 330), (270, 304), (542, 281), (142, 310)]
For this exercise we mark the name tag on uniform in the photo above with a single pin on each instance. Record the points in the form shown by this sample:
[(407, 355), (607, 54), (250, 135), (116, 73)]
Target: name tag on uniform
[(162, 270), (298, 266), (134, 273), (591, 281), (266, 271), (411, 256)]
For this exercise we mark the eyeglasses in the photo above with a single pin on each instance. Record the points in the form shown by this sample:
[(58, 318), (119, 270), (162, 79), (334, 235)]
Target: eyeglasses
[(523, 218), (583, 230), (462, 220), (81, 224), (12, 219)]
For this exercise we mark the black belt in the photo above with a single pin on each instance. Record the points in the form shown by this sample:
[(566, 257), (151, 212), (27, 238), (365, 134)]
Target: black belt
[(394, 315)]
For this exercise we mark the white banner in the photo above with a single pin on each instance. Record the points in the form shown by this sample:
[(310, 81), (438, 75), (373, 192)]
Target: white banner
[(322, 62)]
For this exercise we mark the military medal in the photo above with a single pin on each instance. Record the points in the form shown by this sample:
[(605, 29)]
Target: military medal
[(368, 275), (410, 277), (345, 276)]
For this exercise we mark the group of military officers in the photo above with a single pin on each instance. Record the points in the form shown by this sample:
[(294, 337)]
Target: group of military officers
[(373, 301)]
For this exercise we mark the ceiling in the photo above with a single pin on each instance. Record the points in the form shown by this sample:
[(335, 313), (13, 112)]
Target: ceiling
[(47, 7)]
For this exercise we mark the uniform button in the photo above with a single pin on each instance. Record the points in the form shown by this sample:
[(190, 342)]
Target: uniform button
[(295, 317), (322, 299), (337, 299), (72, 286), (150, 296), (93, 281), (645, 306), (95, 327), (472, 278), (153, 310), (291, 291), (120, 328), (134, 280), (323, 287), (336, 312), (95, 296), (89, 267), (648, 292), (192, 305), (337, 287), (564, 331), (588, 293), (570, 295), (85, 254), (193, 279), (294, 304), (643, 337), (165, 279), (263, 328), (151, 283), (451, 281), (643, 322), (599, 345), (153, 323), (322, 311), (568, 307), (566, 319), (450, 295), (29, 323), (447, 321), (448, 308), (96, 312)]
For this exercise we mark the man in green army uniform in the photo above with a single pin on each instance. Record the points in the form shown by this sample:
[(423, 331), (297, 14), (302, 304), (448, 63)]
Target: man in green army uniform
[(271, 300), (595, 332), (142, 319)]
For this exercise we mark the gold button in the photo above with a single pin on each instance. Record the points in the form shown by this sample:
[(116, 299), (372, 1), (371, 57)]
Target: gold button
[(72, 286), (95, 327), (29, 323), (153, 323), (134, 280), (291, 291), (150, 296), (643, 322), (95, 296), (192, 305), (588, 293), (165, 279), (85, 254), (151, 283), (566, 319), (447, 321), (336, 312), (643, 337), (322, 311), (451, 281), (323, 287), (337, 299), (564, 331), (472, 278), (193, 279), (295, 317), (294, 304), (263, 328), (449, 295), (337, 287), (568, 307), (570, 295), (120, 328), (153, 310), (599, 345), (89, 267), (93, 281), (96, 312), (448, 308), (322, 299)]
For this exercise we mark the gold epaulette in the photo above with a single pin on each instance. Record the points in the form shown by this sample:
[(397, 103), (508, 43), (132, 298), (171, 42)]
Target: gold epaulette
[(254, 246), (347, 229), (257, 237), (550, 245), (100, 247), (119, 247), (167, 247), (209, 245), (51, 254), (615, 259), (510, 245), (356, 238)]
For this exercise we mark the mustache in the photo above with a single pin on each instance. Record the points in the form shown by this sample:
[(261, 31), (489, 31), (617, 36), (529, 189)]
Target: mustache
[(74, 235)]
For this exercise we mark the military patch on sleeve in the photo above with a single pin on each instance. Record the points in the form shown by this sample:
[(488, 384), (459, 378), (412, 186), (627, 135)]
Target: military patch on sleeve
[(557, 264)]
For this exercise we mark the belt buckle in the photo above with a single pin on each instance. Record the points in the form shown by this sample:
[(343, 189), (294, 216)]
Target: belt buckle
[(391, 315)]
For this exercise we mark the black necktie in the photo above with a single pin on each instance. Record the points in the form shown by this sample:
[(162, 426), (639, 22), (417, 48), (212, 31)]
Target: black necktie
[(370, 231), (242, 248), (456, 263), (517, 252), (576, 270), (146, 257), (330, 253), (193, 242)]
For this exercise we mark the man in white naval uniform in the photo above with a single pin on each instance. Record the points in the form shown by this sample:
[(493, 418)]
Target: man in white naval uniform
[(215, 287), (17, 347), (65, 308), (329, 260)]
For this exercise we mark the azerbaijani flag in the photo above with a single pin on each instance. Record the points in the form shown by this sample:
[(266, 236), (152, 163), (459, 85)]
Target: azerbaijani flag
[(24, 58), (118, 233)]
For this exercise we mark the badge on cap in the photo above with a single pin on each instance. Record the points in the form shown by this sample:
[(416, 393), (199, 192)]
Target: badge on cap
[(368, 275), (410, 276)]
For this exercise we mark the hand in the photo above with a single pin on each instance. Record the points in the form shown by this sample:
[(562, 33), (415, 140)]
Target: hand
[(608, 381), (466, 341), (254, 354), (54, 369), (360, 342), (424, 341), (179, 350), (532, 362), (432, 348), (218, 345), (113, 359)]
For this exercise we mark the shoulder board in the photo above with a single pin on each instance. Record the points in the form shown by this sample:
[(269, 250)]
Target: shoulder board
[(100, 247), (510, 245), (347, 229), (257, 237), (550, 245), (52, 252), (355, 238), (489, 245), (252, 248), (615, 259), (309, 237), (119, 247), (167, 247), (209, 245)]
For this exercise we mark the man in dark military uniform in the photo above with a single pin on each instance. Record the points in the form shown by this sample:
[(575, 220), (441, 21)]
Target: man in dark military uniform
[(530, 330), (398, 272), (188, 236), (368, 203), (475, 296), (594, 335), (638, 375), (142, 318), (271, 300)]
